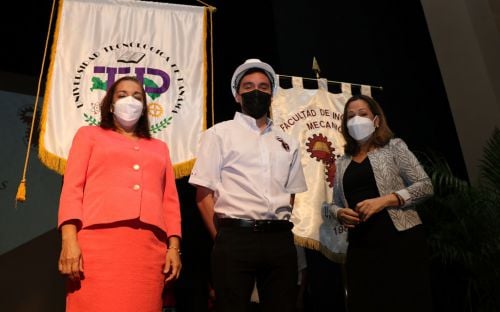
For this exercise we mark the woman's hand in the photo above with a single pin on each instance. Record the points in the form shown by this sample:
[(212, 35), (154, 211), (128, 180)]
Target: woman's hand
[(348, 217), (70, 260), (173, 264), (369, 207)]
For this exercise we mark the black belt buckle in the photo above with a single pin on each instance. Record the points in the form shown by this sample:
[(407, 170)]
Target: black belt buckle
[(270, 225), (258, 225)]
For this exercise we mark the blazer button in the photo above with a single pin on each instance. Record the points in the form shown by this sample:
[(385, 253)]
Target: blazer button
[(136, 167), (136, 148), (136, 187)]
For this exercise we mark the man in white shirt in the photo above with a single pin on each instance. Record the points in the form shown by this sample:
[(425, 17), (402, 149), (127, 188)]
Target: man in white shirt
[(246, 174)]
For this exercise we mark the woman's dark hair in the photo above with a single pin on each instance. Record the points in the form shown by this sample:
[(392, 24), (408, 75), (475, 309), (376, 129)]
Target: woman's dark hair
[(107, 121), (382, 134)]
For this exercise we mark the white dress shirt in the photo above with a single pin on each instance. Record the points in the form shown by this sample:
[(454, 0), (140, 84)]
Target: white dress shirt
[(251, 172)]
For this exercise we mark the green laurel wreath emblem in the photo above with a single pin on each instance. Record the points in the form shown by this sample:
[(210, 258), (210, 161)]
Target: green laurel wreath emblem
[(157, 127)]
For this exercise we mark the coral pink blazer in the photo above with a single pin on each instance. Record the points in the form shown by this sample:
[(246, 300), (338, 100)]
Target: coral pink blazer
[(110, 178)]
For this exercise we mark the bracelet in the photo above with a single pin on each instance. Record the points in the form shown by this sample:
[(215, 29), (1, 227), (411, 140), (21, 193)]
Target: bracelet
[(175, 248), (400, 201)]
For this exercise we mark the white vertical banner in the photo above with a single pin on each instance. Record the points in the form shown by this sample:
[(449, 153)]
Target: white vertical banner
[(98, 41), (314, 116)]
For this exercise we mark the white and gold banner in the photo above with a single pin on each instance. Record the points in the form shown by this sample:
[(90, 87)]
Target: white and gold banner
[(98, 41), (313, 116)]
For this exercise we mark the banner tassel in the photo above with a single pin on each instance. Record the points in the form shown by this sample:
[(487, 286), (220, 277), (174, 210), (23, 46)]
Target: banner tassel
[(21, 191)]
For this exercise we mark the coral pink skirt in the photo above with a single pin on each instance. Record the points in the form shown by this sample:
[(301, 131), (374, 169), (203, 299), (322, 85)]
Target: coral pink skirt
[(122, 267)]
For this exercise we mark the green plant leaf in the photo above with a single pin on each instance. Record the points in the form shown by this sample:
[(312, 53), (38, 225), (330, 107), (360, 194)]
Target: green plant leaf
[(463, 225), (489, 164)]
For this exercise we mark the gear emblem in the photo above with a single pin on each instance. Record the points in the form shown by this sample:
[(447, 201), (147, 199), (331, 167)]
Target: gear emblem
[(155, 110), (320, 148)]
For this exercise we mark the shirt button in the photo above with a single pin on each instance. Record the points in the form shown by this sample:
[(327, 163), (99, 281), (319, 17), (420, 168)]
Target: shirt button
[(136, 187), (136, 148), (136, 167)]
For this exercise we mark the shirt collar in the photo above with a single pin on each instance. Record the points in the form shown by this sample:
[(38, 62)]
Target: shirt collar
[(250, 122)]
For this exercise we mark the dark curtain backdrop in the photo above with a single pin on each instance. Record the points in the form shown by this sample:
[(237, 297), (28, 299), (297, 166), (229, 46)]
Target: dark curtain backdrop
[(384, 43), (377, 42)]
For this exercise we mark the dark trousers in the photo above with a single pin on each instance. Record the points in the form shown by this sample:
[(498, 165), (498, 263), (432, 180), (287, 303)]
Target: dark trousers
[(325, 283), (241, 257)]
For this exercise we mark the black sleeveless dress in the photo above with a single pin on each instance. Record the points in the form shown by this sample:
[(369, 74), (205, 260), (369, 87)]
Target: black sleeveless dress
[(387, 269)]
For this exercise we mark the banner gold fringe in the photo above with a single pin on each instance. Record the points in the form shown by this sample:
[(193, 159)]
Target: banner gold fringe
[(315, 245), (183, 169), (59, 164), (52, 161)]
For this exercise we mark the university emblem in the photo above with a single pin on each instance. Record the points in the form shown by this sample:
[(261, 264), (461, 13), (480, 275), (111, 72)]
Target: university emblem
[(158, 72)]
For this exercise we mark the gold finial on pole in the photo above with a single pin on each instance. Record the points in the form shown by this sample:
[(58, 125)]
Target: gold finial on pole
[(315, 67)]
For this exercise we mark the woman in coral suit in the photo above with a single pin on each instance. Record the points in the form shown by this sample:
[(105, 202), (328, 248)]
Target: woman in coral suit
[(119, 212)]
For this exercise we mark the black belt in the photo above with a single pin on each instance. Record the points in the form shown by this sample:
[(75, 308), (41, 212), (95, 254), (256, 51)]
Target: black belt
[(256, 225)]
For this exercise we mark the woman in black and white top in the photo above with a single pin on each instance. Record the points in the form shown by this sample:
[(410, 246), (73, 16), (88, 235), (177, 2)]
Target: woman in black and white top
[(378, 182)]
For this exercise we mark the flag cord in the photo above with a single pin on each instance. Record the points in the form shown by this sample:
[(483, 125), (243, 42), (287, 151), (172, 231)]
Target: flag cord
[(21, 190)]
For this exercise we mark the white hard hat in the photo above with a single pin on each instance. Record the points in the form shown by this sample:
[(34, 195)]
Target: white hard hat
[(249, 64)]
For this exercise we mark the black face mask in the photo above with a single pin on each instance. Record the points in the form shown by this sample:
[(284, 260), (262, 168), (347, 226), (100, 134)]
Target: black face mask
[(255, 103)]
